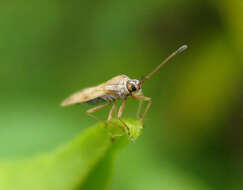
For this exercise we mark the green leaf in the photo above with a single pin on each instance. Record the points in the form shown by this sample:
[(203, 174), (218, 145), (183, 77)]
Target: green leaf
[(85, 163)]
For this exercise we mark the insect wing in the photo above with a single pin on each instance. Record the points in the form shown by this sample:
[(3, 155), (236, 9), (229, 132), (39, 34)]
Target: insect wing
[(85, 95)]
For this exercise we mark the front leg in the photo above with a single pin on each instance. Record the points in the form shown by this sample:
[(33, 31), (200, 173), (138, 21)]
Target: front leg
[(139, 109), (140, 106), (147, 99)]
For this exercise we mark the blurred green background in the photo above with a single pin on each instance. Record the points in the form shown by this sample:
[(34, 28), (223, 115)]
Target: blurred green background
[(193, 134)]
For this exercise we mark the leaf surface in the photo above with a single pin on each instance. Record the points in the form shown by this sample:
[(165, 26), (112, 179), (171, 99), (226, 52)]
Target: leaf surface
[(84, 163)]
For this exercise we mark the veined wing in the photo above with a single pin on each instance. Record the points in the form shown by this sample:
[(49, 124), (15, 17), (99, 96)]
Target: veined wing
[(95, 94)]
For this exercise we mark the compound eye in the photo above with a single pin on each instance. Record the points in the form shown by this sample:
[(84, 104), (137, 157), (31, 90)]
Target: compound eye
[(134, 88)]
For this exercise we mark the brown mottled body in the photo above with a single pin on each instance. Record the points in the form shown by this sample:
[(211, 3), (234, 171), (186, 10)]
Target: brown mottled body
[(109, 91)]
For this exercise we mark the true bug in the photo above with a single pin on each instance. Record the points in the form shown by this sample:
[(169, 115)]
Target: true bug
[(119, 87)]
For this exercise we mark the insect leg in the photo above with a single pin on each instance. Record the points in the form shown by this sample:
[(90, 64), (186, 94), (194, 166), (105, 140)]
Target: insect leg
[(139, 109), (90, 111), (113, 109), (147, 99), (121, 109)]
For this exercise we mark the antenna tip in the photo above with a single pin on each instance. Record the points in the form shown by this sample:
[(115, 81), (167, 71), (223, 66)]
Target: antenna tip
[(182, 48)]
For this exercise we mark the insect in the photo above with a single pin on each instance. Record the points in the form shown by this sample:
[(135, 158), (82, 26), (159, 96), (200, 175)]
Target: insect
[(119, 87)]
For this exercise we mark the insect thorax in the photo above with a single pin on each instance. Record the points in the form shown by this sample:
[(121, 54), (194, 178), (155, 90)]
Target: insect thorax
[(116, 92)]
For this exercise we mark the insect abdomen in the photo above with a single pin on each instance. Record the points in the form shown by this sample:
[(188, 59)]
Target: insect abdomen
[(94, 101), (105, 98)]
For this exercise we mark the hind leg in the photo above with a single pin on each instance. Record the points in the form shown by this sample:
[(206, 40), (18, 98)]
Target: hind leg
[(90, 112)]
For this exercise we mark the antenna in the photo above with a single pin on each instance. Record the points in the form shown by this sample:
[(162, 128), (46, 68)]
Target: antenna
[(179, 50)]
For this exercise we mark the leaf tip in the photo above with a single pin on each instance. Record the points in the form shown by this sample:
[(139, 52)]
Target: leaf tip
[(116, 128)]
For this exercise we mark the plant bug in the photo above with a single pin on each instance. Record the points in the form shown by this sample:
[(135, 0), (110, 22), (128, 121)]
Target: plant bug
[(119, 87)]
